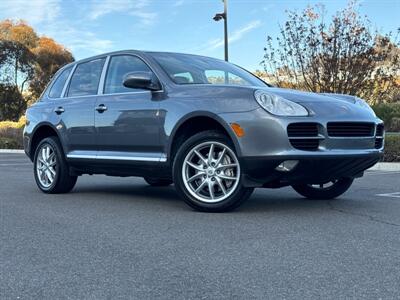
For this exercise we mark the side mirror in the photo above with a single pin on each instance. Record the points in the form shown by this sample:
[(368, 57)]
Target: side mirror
[(141, 80)]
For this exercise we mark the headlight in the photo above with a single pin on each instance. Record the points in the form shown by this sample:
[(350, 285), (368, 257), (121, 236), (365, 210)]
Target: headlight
[(279, 106), (364, 104)]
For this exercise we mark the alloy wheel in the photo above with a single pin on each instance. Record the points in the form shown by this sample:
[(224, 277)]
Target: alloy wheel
[(211, 172), (46, 164)]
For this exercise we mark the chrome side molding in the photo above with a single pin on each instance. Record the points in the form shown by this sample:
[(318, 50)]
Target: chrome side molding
[(100, 156)]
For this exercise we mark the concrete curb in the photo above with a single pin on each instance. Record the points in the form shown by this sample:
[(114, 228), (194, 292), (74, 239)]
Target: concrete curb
[(11, 151), (382, 166), (386, 166)]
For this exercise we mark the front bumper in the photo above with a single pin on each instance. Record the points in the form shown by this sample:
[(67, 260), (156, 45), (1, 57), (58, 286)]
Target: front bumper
[(311, 168), (267, 143), (266, 135)]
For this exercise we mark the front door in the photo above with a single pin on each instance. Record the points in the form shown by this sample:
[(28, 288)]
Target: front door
[(77, 109), (126, 119)]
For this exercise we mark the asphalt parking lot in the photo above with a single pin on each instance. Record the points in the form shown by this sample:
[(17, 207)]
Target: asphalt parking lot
[(119, 238)]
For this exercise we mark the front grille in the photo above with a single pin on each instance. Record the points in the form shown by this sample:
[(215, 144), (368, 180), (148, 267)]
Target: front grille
[(350, 129), (379, 130), (305, 144), (302, 129), (303, 136)]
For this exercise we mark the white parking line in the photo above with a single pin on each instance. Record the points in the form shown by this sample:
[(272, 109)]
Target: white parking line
[(393, 195)]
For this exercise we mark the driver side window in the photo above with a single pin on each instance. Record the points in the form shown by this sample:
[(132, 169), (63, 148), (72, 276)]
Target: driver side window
[(222, 77), (118, 67)]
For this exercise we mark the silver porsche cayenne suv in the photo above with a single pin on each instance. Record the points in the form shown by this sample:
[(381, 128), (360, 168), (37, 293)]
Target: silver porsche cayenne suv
[(208, 126)]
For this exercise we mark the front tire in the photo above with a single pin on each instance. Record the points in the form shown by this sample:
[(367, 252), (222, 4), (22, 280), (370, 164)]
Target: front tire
[(51, 169), (326, 191), (207, 173)]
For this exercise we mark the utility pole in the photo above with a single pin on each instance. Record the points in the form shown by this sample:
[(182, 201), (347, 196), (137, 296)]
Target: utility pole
[(224, 16)]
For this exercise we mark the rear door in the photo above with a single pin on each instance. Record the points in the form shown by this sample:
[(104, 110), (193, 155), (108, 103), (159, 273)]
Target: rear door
[(77, 109), (126, 119)]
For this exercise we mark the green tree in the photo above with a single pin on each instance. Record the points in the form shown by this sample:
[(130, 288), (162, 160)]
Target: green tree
[(17, 61), (16, 64), (19, 32), (50, 57), (27, 63)]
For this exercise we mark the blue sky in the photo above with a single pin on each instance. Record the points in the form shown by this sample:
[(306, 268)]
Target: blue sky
[(89, 27)]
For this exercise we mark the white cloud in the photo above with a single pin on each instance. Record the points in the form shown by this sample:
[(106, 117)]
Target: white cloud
[(146, 18), (32, 11), (179, 3), (135, 8), (47, 19), (237, 35), (76, 38), (268, 8), (88, 41)]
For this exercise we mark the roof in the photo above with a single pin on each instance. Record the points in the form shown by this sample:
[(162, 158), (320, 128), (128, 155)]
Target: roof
[(131, 51)]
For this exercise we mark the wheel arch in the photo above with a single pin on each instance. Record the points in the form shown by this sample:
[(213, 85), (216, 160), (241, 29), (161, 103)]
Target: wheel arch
[(42, 131), (194, 123)]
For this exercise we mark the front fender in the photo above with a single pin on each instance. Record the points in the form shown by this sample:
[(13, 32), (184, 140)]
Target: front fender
[(170, 132)]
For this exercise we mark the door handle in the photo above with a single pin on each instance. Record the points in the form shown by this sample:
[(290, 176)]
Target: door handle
[(101, 108), (59, 110)]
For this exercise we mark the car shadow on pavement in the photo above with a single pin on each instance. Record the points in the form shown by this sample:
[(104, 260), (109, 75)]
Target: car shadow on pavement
[(134, 192), (279, 203), (263, 200)]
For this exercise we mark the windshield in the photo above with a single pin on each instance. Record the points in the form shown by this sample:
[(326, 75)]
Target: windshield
[(192, 69)]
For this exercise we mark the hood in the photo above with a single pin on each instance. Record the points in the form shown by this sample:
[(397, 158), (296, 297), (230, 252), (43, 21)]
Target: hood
[(308, 97), (221, 91), (338, 105), (238, 98)]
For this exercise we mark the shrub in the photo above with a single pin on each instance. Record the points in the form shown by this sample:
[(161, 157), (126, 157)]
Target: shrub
[(392, 148), (11, 134), (390, 114)]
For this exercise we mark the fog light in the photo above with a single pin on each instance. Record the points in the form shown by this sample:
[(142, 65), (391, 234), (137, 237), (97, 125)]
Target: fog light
[(287, 165)]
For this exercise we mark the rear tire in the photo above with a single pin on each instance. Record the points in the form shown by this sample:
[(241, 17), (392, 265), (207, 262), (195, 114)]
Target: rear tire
[(51, 170), (313, 192), (209, 183), (157, 181)]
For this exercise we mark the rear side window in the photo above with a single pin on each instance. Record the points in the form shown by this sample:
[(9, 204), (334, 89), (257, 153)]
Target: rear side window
[(120, 66), (85, 80), (58, 85)]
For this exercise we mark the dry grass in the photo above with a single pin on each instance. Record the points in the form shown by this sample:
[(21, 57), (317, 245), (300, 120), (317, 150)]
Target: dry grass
[(392, 148), (11, 134)]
